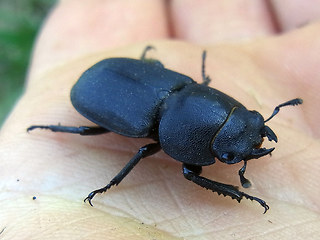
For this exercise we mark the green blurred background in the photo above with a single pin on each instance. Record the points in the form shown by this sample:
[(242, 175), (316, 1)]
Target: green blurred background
[(19, 23)]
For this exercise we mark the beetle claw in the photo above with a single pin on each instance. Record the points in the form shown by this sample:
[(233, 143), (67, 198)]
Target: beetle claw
[(262, 202), (89, 198)]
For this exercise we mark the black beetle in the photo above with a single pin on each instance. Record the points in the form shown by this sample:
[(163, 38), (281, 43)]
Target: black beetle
[(191, 122)]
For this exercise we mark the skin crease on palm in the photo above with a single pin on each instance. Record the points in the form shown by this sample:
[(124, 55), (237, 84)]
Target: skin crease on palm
[(255, 52)]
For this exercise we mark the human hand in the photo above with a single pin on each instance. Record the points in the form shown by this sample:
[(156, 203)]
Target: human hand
[(244, 59)]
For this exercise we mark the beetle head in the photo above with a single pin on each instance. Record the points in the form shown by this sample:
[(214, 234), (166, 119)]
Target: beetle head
[(241, 135)]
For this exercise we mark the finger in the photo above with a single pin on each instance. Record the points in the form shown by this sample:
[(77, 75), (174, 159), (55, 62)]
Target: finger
[(292, 64), (291, 14), (216, 21), (80, 27)]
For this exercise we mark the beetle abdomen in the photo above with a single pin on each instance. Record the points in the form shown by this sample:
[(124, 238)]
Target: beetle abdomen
[(123, 95)]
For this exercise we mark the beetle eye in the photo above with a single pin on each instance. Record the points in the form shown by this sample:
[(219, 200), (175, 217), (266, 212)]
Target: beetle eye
[(227, 157)]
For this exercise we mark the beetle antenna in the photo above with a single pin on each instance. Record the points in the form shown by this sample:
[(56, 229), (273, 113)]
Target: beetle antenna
[(292, 102)]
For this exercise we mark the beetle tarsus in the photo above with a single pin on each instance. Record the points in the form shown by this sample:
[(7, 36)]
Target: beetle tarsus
[(93, 193), (262, 202), (220, 188)]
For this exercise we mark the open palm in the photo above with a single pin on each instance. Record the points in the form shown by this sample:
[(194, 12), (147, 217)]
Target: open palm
[(245, 59)]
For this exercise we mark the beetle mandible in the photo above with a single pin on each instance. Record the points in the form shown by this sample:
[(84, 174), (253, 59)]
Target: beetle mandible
[(191, 122)]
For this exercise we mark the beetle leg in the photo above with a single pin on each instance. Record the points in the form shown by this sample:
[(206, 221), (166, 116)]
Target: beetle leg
[(150, 60), (190, 172), (143, 152), (205, 78), (83, 130), (244, 181), (147, 48)]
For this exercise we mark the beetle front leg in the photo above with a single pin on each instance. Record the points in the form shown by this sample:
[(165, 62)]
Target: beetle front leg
[(244, 181), (83, 130), (143, 152), (192, 172)]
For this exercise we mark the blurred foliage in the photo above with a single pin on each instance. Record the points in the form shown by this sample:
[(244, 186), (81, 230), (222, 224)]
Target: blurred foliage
[(19, 24)]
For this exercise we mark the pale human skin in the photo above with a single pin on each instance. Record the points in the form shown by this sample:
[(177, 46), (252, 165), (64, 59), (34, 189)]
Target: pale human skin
[(244, 59)]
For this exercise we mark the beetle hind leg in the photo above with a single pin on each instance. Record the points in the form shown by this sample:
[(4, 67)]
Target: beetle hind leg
[(143, 152), (144, 53), (205, 78), (192, 173), (150, 60), (83, 130)]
